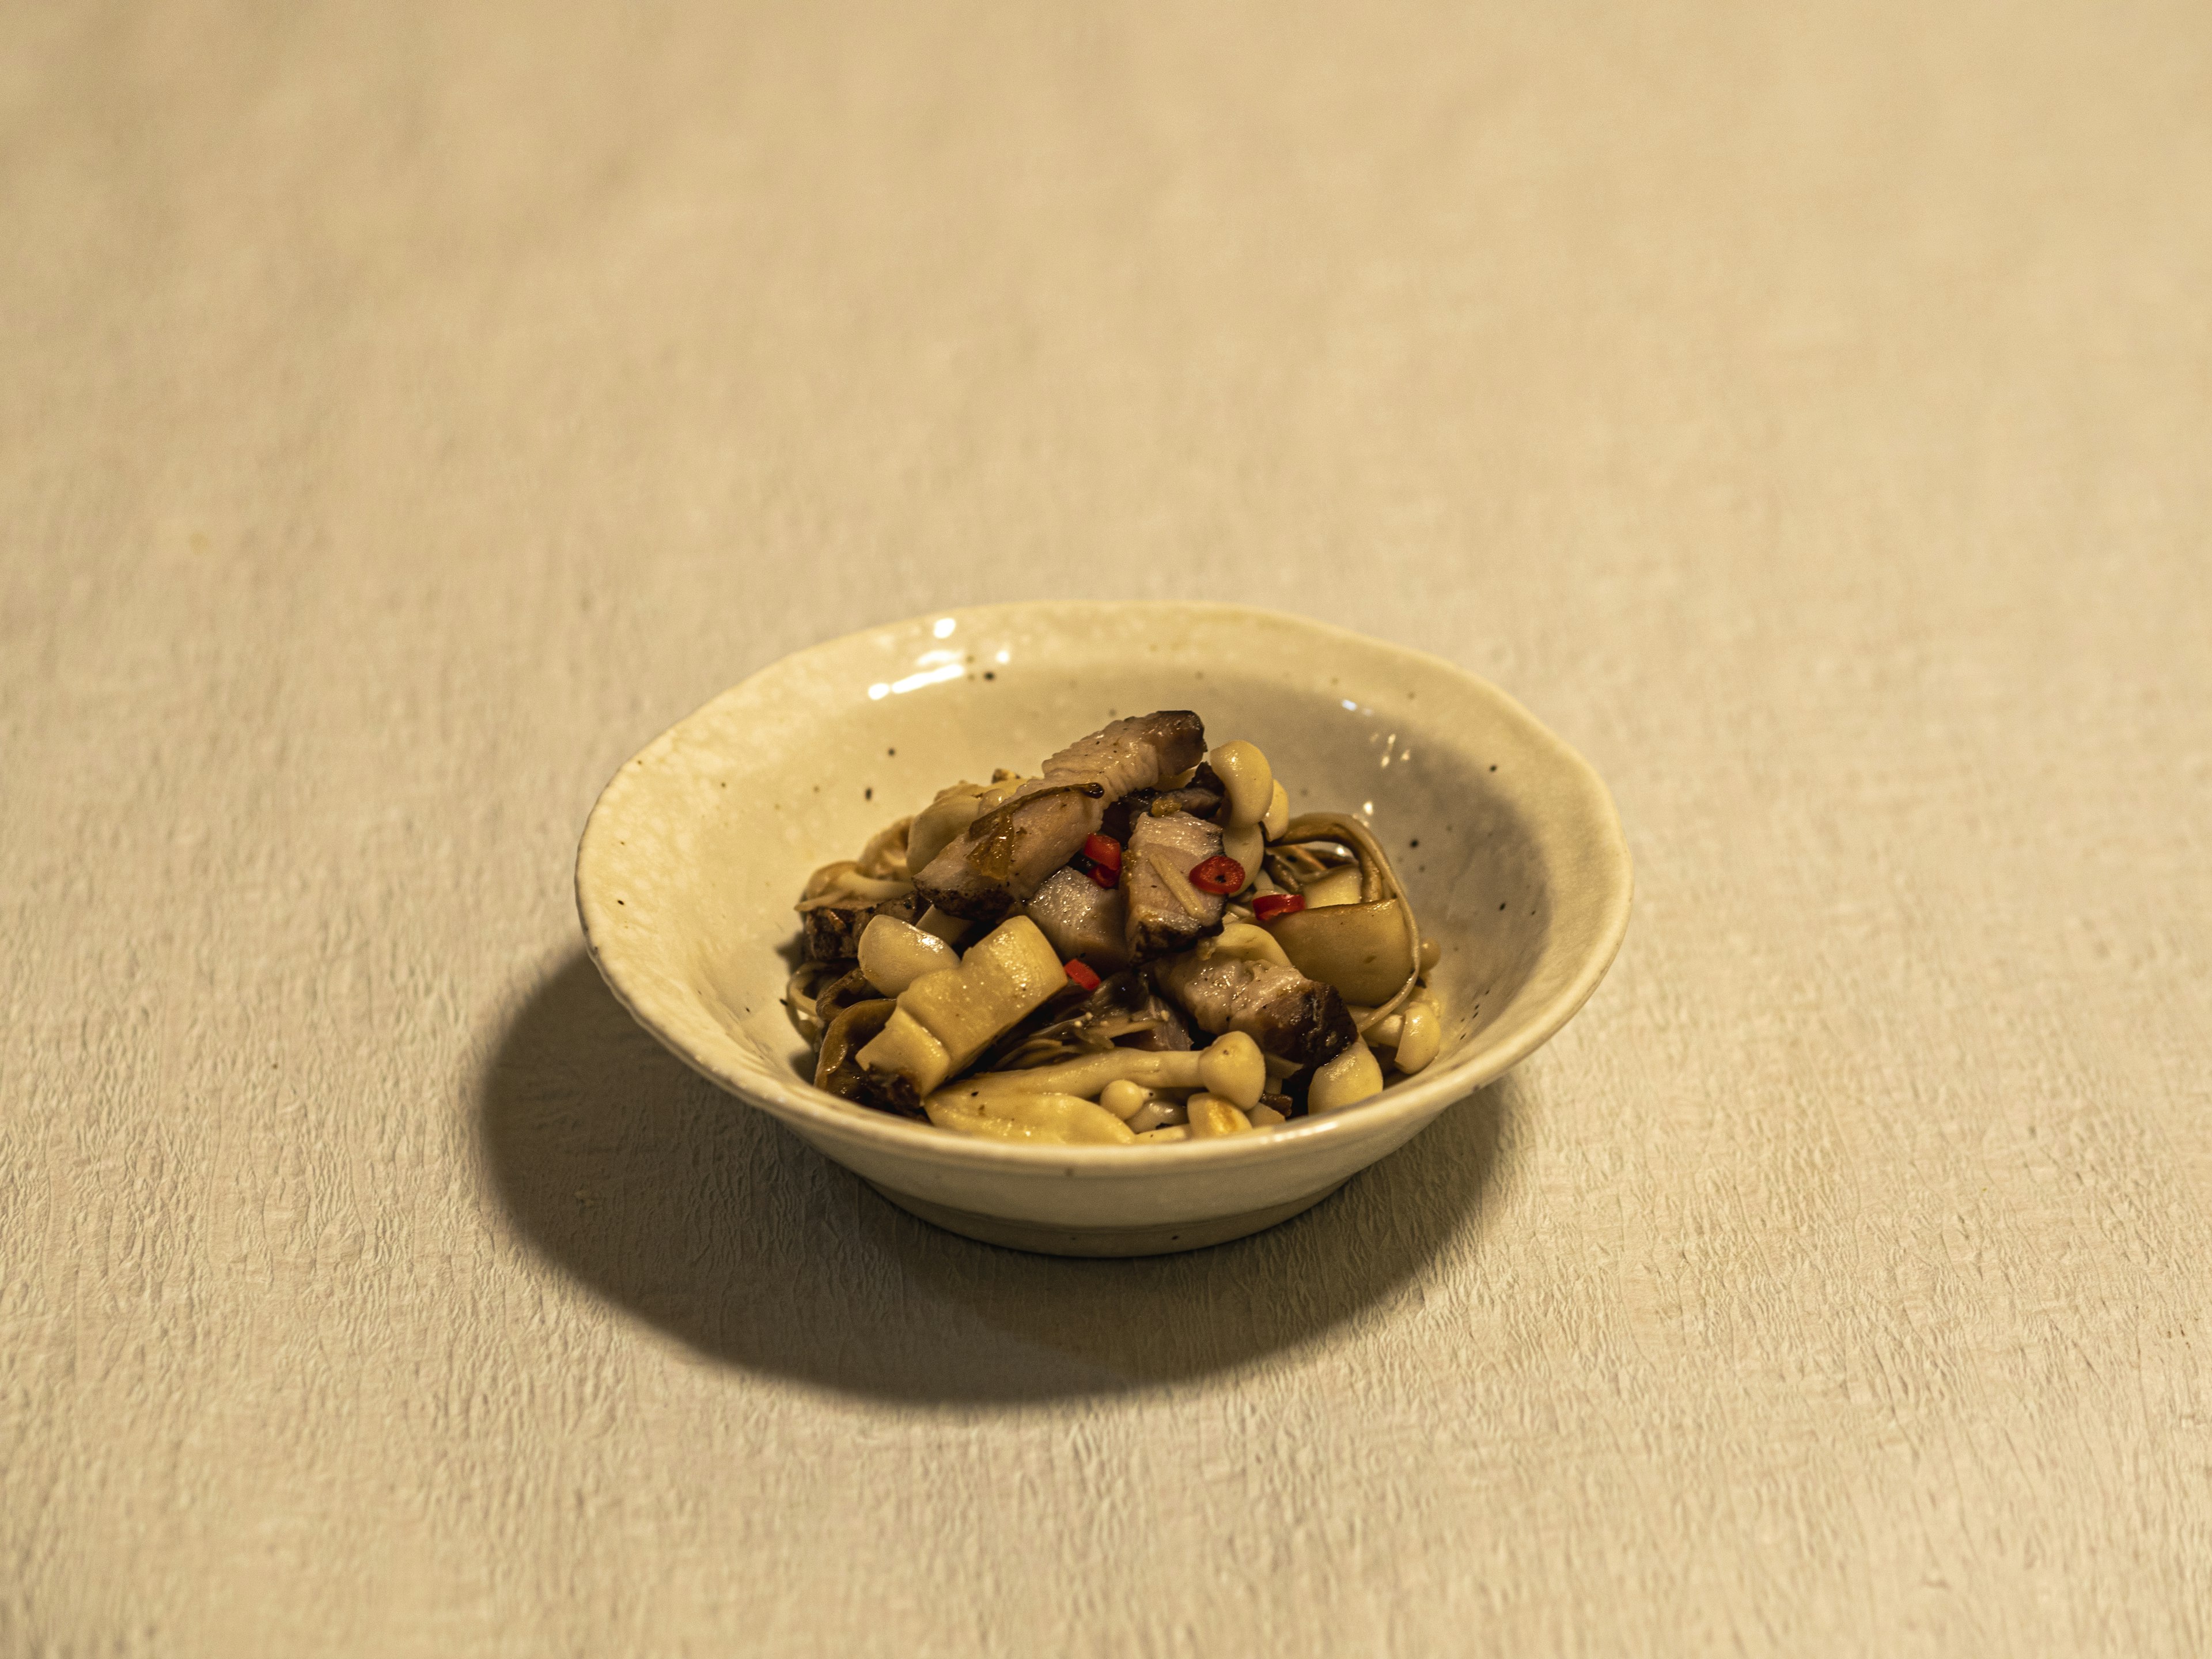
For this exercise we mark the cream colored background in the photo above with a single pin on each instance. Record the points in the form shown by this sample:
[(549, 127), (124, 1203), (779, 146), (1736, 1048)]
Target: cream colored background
[(406, 409)]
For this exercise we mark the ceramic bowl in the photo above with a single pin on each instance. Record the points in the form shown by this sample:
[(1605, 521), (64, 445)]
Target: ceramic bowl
[(1504, 837)]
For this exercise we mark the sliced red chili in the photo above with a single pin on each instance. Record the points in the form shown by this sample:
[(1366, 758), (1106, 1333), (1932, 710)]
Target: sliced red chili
[(1081, 974), (1219, 874), (1268, 906), (1101, 861)]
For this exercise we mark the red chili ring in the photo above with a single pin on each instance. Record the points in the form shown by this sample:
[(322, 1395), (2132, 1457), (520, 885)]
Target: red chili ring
[(1219, 874), (1081, 974), (1268, 906), (1102, 850)]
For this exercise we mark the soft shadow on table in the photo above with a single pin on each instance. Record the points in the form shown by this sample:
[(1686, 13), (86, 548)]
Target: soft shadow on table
[(706, 1218)]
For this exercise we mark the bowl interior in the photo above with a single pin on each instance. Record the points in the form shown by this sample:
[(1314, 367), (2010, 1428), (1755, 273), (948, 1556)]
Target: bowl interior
[(692, 860)]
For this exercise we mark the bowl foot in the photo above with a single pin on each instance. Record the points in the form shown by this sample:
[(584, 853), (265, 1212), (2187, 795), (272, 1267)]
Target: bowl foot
[(1163, 1238)]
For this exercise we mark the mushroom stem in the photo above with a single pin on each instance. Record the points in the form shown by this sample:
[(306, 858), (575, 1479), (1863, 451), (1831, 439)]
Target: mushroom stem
[(1231, 1065), (1088, 1076)]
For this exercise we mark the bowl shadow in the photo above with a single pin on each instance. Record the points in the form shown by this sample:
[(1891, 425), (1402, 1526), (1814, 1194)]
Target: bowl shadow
[(705, 1217)]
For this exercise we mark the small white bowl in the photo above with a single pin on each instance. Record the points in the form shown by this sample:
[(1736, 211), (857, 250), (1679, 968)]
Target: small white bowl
[(1505, 838)]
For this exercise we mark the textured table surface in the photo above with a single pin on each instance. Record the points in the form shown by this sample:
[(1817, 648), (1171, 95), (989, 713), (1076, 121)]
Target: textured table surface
[(406, 409)]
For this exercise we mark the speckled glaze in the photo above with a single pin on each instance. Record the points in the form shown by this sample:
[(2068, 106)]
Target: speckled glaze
[(689, 866)]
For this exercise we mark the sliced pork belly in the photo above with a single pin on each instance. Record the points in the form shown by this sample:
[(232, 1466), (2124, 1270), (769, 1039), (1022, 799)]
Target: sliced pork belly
[(1167, 913), (1082, 919), (1287, 1014), (1007, 852)]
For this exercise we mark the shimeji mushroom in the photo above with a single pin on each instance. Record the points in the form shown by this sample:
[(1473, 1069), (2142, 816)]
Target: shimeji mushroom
[(1054, 1104), (1370, 952), (1212, 1117), (1350, 1077), (1413, 1034), (894, 954), (1057, 1120), (1230, 1066), (1248, 780)]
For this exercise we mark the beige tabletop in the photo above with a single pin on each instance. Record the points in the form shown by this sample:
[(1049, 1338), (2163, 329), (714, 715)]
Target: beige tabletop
[(406, 409)]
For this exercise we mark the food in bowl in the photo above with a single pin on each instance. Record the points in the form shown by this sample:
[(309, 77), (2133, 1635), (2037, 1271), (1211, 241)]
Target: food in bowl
[(1139, 945)]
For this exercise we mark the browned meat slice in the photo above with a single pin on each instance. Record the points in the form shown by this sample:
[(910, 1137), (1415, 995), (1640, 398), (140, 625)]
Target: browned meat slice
[(833, 931), (1166, 913), (1139, 752), (1284, 1012), (1082, 919), (1006, 853)]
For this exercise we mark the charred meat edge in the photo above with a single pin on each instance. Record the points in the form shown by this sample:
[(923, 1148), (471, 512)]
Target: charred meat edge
[(1288, 1015), (833, 931)]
